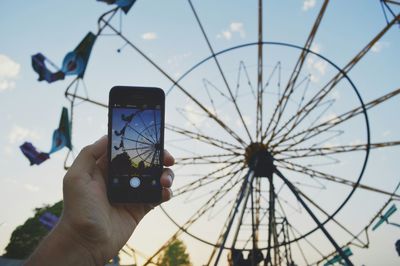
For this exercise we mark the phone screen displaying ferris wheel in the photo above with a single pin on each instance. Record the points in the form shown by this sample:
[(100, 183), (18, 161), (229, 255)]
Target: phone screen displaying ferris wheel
[(136, 126)]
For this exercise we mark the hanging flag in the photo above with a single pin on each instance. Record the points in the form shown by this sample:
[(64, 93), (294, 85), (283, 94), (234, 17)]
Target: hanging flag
[(338, 259), (39, 66), (34, 156), (62, 135), (75, 62), (125, 5), (48, 220), (384, 218)]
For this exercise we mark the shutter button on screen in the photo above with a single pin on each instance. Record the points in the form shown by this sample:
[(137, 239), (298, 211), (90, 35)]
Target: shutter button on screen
[(134, 182)]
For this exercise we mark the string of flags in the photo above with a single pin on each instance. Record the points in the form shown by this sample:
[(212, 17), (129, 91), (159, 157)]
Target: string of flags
[(61, 139), (73, 64)]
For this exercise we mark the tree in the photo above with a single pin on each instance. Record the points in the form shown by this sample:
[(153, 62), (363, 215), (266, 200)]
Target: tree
[(175, 255), (25, 238)]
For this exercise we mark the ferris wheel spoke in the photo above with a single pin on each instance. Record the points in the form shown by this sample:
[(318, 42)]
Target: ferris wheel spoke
[(323, 151), (204, 138), (139, 155), (146, 128), (325, 90), (137, 141), (209, 163), (207, 179), (153, 158), (313, 131), (140, 134), (280, 108), (296, 233), (190, 221), (314, 218), (220, 71), (324, 107), (155, 125), (190, 96), (260, 91), (329, 177), (227, 187), (243, 193), (183, 112), (147, 156), (316, 205), (206, 158), (138, 148)]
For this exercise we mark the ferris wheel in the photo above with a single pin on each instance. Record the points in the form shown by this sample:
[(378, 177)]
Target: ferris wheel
[(269, 152), (140, 139)]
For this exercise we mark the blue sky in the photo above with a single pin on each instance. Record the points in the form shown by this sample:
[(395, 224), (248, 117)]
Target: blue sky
[(167, 32)]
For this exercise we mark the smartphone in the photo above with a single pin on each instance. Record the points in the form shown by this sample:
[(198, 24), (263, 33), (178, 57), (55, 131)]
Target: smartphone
[(136, 144)]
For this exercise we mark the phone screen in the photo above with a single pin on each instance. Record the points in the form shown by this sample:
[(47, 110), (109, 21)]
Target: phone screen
[(136, 150)]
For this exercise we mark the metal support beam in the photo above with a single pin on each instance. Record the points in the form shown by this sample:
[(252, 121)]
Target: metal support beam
[(320, 225)]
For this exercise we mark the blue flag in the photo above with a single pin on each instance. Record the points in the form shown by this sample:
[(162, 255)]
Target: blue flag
[(125, 5), (75, 62), (39, 66), (62, 135), (33, 155)]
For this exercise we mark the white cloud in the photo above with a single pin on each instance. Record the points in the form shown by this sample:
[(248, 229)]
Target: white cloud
[(234, 28), (378, 46), (19, 134), (317, 66), (31, 188), (387, 133), (316, 47), (149, 36), (176, 60), (227, 35), (308, 4), (238, 27), (191, 114), (320, 66), (9, 71)]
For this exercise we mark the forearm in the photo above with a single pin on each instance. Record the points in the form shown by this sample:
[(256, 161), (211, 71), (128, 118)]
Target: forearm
[(60, 247)]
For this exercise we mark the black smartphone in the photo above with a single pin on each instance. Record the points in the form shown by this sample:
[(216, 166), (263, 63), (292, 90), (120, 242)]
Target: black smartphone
[(136, 144)]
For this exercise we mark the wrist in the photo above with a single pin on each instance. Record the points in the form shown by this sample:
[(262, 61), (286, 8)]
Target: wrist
[(63, 246)]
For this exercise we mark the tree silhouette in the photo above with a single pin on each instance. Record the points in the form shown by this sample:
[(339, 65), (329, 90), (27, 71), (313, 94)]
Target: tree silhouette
[(25, 238), (175, 255)]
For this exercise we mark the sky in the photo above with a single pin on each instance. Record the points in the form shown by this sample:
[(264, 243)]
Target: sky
[(167, 32)]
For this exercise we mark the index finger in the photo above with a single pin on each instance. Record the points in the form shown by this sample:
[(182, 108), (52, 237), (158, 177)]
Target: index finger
[(86, 160)]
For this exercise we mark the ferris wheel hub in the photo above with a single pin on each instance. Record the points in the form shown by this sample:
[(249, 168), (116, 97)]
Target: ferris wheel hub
[(260, 160)]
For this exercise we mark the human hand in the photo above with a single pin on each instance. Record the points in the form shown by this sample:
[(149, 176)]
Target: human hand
[(89, 223)]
